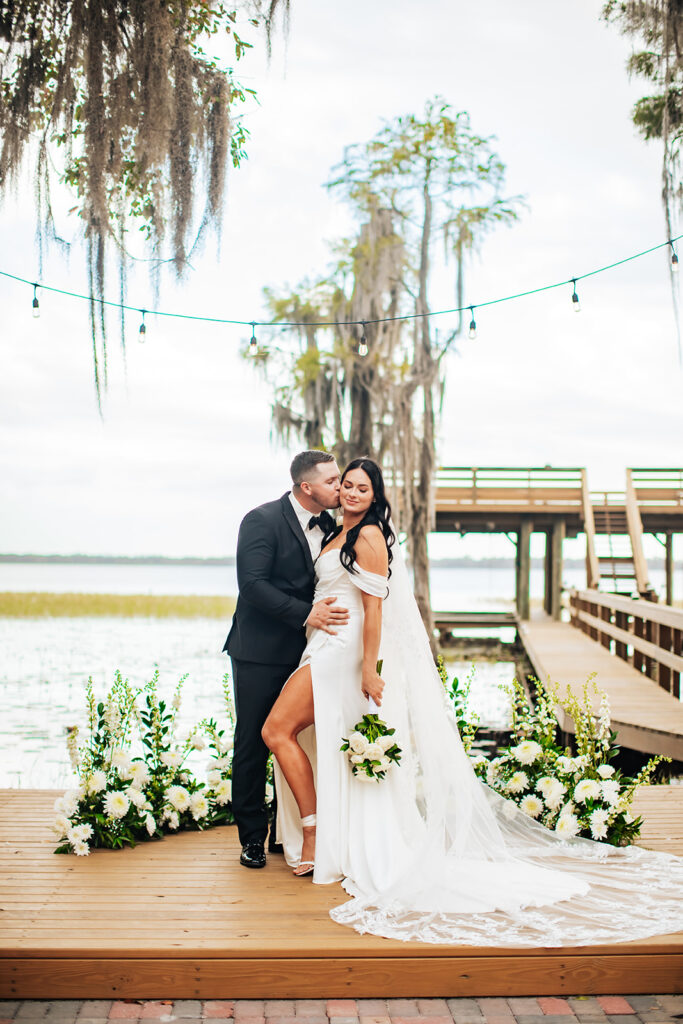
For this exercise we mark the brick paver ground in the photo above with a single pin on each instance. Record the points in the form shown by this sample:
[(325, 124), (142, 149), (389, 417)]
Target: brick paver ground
[(607, 1009)]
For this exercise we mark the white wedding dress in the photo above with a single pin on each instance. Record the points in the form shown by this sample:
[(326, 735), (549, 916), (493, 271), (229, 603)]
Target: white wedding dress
[(431, 853)]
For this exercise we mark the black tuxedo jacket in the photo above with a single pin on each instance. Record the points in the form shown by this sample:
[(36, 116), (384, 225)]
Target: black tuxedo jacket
[(276, 582)]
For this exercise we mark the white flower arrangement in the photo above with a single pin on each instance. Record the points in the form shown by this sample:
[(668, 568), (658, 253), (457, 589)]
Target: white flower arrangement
[(371, 747)]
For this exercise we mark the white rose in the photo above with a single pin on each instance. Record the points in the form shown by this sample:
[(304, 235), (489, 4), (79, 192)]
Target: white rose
[(358, 742), (357, 758), (384, 742), (605, 771), (373, 751)]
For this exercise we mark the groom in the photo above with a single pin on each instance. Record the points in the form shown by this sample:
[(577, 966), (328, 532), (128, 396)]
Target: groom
[(276, 547)]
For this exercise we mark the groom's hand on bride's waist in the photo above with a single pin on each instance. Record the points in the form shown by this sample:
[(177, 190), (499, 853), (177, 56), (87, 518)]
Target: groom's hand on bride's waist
[(326, 615)]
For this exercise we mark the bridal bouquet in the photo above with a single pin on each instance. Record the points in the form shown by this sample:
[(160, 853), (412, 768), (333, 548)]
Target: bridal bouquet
[(372, 749)]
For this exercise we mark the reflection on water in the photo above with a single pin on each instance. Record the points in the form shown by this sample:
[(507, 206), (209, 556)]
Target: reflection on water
[(46, 664)]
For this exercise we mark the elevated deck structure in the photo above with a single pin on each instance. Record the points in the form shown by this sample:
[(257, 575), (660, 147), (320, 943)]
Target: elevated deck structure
[(182, 919)]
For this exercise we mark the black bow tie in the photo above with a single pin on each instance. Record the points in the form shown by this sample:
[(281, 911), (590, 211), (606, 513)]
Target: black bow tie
[(324, 521)]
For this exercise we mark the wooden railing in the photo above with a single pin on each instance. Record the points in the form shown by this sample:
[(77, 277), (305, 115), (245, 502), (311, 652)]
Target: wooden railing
[(648, 636), (592, 564), (635, 529), (510, 487), (657, 490)]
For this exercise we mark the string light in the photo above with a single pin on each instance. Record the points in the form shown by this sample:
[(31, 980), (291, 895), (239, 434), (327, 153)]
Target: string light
[(35, 303), (142, 331), (253, 344), (473, 324), (363, 343)]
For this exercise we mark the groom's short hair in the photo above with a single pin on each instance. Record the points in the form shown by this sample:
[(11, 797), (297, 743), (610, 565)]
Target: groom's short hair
[(304, 462)]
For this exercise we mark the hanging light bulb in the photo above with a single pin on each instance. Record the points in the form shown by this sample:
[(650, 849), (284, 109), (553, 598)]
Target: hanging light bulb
[(575, 298), (253, 344), (142, 330), (674, 259), (473, 324), (35, 303), (363, 343)]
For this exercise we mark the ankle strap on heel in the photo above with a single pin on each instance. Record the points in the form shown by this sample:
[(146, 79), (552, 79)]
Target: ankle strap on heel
[(309, 821)]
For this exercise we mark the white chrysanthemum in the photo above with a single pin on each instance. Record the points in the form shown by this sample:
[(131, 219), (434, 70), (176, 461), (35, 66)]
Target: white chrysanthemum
[(527, 751), (67, 804), (116, 804), (587, 789), (518, 782), (213, 777), (358, 742), (136, 797), (139, 773), (605, 771), (566, 765), (598, 823), (178, 798), (532, 805), (80, 833), (150, 824), (199, 806), (198, 742), (544, 784), (567, 826), (80, 848), (223, 792), (171, 758), (554, 794), (610, 790), (373, 751), (61, 826), (96, 782)]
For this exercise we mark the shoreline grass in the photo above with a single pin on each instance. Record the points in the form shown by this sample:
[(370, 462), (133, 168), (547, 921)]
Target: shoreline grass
[(24, 605)]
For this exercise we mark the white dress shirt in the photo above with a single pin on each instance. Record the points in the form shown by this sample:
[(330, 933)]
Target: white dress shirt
[(313, 537)]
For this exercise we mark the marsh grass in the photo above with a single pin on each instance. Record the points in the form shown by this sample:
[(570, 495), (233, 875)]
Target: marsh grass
[(48, 605)]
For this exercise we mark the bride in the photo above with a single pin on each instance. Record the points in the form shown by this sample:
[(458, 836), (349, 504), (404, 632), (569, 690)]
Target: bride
[(429, 853)]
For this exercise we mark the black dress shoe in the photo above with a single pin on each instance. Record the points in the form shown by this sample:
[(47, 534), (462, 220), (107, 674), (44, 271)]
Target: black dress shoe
[(253, 855)]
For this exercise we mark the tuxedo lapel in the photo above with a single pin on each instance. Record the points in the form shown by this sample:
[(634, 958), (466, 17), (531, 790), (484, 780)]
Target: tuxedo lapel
[(295, 526)]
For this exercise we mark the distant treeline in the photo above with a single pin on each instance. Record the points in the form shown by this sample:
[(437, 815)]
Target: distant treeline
[(464, 562)]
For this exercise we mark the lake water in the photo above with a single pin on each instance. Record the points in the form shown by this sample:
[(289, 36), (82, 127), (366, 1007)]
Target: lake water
[(45, 663)]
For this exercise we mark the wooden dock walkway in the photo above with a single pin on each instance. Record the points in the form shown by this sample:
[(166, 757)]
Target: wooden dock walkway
[(181, 919), (645, 716)]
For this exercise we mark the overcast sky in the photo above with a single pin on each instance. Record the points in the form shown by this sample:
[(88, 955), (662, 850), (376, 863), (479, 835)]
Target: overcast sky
[(184, 448)]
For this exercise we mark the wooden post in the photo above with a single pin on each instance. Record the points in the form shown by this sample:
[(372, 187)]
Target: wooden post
[(556, 541), (523, 565), (548, 574), (669, 566)]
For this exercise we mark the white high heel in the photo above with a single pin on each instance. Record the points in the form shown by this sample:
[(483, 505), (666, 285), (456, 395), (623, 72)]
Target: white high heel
[(309, 821)]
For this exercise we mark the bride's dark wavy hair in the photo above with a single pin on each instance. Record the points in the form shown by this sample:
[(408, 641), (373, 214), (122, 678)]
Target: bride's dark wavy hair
[(378, 514)]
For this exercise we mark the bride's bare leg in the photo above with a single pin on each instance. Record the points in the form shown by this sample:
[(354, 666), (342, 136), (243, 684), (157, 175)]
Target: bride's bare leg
[(292, 712)]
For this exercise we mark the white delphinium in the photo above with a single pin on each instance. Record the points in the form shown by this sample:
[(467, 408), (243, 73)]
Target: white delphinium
[(358, 742), (565, 765), (610, 790), (604, 722), (197, 741), (492, 773), (139, 774), (96, 782), (112, 716), (72, 746), (223, 792), (171, 758), (567, 825), (531, 805), (213, 777), (178, 798), (224, 745), (527, 751), (116, 804), (587, 789), (598, 823), (518, 782), (177, 700), (605, 771)]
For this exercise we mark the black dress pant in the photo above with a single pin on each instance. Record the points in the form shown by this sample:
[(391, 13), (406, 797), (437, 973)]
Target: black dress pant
[(256, 689)]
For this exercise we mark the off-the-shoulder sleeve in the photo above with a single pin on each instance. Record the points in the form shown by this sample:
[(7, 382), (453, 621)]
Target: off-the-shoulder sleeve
[(370, 582)]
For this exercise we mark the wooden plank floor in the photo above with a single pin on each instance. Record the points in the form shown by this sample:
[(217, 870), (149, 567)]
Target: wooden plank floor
[(180, 918), (645, 716)]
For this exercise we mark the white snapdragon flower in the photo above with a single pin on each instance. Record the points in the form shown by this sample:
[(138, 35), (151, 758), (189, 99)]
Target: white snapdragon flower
[(587, 789), (198, 742), (199, 805), (96, 782), (178, 798), (177, 701), (213, 777), (532, 806), (518, 782), (171, 758), (527, 751), (116, 804), (598, 823), (605, 771), (223, 792), (565, 765), (358, 742), (567, 826), (492, 774)]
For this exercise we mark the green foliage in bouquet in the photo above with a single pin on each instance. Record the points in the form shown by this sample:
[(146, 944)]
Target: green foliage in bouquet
[(371, 747), (133, 780), (575, 795)]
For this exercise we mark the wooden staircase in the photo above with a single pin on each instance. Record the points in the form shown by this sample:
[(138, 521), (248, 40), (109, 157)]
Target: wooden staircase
[(614, 535)]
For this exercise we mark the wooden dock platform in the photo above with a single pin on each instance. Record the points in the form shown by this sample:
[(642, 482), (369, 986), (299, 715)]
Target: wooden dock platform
[(644, 715), (181, 919)]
